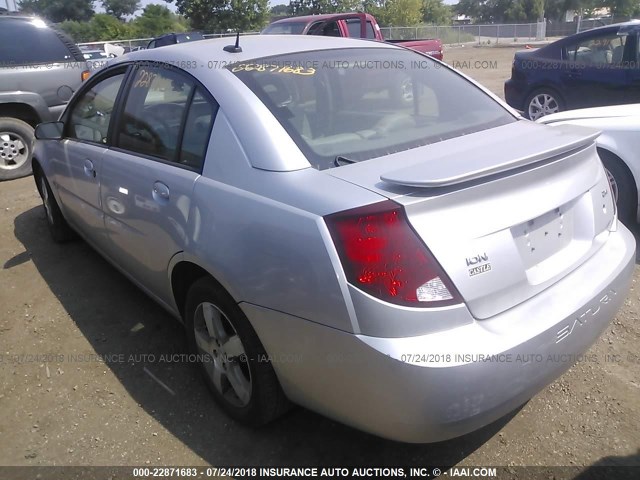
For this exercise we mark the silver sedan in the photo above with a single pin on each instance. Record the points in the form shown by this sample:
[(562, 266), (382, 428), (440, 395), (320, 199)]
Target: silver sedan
[(342, 224)]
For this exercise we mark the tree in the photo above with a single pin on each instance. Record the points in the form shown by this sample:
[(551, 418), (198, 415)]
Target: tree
[(622, 8), (121, 8), (436, 12), (496, 11), (222, 15), (313, 7), (400, 13), (78, 31), (108, 27), (279, 10), (58, 11), (156, 20)]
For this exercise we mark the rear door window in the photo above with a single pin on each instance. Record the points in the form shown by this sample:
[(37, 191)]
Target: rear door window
[(166, 116), (154, 112), (599, 50), (353, 24), (24, 42), (197, 131)]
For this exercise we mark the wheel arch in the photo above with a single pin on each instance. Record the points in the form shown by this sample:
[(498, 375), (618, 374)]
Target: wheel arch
[(21, 111), (607, 150), (185, 273)]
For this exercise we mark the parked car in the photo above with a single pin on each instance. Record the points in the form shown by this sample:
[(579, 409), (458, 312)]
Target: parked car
[(593, 68), (96, 59), (351, 25), (415, 270), (173, 38), (618, 147), (39, 69)]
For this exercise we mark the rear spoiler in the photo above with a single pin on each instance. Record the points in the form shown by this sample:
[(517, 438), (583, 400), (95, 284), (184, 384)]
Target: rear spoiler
[(452, 168)]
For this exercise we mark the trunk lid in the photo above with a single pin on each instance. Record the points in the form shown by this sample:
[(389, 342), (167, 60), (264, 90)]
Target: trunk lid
[(507, 211)]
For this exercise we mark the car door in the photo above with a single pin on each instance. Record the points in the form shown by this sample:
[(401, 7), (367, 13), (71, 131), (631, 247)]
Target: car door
[(596, 72), (148, 175), (77, 171)]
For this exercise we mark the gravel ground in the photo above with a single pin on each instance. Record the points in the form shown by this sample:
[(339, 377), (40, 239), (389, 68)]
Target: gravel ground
[(60, 306)]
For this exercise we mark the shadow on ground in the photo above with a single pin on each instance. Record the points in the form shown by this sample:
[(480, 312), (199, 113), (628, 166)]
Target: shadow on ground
[(109, 311)]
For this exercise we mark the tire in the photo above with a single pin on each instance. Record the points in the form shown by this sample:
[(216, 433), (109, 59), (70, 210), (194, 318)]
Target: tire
[(58, 226), (16, 148), (541, 102), (235, 366), (623, 187)]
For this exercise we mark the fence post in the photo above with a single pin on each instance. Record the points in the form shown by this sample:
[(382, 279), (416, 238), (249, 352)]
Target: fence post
[(479, 32), (497, 33), (459, 34)]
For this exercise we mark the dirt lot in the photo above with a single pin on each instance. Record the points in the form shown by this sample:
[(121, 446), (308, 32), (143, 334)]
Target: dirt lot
[(62, 305)]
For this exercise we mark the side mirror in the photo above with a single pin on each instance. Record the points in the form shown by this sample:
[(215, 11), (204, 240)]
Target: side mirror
[(49, 131)]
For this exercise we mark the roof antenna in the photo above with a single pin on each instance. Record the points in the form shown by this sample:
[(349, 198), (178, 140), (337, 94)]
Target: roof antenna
[(234, 48)]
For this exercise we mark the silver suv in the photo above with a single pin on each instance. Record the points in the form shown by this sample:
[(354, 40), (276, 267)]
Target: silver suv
[(39, 69)]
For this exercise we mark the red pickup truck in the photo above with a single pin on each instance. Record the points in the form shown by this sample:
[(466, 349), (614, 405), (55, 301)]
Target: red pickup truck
[(354, 25)]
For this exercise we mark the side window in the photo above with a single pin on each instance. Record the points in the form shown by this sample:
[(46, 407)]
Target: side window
[(90, 116), (326, 29), (607, 49), (28, 41), (354, 27), (370, 31), (154, 112), (197, 131), (331, 30)]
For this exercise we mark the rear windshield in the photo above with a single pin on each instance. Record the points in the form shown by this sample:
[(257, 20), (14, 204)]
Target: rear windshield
[(356, 104), (30, 42), (285, 28)]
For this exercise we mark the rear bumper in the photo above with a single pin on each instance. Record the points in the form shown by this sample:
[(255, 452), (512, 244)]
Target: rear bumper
[(514, 94), (437, 386)]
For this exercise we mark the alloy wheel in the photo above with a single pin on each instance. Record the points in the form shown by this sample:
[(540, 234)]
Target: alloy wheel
[(226, 362), (542, 104), (13, 151)]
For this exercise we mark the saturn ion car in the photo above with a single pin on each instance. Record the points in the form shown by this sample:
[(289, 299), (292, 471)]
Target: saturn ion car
[(415, 266)]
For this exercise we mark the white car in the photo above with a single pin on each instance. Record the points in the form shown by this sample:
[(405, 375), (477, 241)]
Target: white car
[(618, 147)]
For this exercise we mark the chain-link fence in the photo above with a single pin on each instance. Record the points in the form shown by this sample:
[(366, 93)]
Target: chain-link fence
[(562, 29), (481, 34)]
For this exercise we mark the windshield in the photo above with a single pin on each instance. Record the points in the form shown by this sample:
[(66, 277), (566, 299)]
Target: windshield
[(285, 28), (356, 104)]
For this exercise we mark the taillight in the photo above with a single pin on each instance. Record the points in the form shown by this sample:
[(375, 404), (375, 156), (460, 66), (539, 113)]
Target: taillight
[(384, 257)]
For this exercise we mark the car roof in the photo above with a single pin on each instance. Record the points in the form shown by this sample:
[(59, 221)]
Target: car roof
[(314, 18), (306, 18), (253, 47)]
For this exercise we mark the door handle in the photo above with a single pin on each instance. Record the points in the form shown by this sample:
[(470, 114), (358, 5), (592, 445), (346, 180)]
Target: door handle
[(89, 170), (160, 192)]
